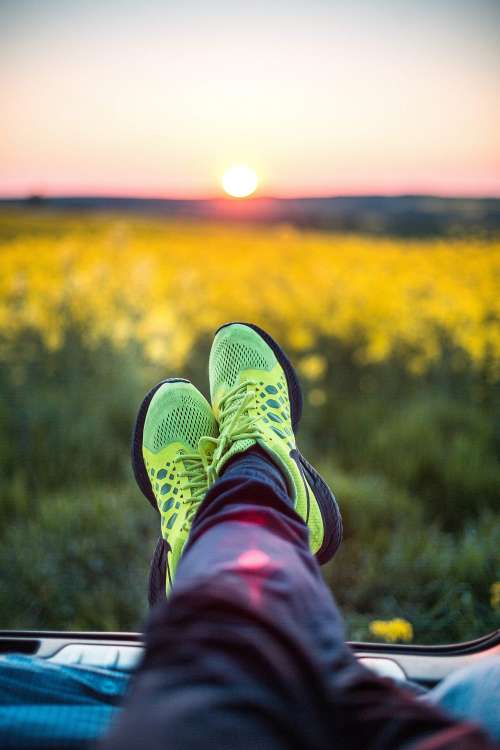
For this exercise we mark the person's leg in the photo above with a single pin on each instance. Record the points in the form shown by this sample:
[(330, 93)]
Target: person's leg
[(227, 664), (472, 694), (249, 650)]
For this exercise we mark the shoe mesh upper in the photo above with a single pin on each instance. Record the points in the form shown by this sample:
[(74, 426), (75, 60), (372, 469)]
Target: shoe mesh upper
[(230, 357), (186, 420)]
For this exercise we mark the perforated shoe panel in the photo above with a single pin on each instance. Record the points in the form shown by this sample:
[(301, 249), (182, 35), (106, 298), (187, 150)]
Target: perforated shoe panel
[(177, 414), (234, 350), (194, 423)]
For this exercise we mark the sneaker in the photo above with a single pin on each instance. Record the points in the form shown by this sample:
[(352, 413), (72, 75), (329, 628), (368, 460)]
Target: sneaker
[(256, 398), (174, 437)]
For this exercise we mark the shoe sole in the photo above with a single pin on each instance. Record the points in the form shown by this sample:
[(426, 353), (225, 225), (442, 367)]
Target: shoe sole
[(330, 512), (158, 572)]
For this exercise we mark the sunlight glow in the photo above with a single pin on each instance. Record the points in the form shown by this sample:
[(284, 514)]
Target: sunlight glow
[(253, 559), (239, 181)]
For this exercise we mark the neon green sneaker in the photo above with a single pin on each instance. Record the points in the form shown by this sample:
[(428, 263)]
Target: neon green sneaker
[(256, 399), (174, 437)]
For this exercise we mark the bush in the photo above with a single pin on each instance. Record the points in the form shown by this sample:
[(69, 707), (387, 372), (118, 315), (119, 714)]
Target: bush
[(79, 560), (67, 413), (442, 451), (394, 563)]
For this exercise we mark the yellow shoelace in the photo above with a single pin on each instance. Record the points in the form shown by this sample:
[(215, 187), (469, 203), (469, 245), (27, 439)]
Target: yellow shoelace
[(235, 422), (196, 471), (201, 468)]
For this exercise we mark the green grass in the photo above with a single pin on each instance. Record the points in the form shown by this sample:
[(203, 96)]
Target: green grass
[(78, 559), (411, 459)]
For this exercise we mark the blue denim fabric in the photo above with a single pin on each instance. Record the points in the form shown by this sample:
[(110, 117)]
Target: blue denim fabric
[(249, 651), (44, 705), (473, 693)]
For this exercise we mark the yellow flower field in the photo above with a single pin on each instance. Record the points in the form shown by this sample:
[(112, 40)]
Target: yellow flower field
[(166, 282), (409, 450)]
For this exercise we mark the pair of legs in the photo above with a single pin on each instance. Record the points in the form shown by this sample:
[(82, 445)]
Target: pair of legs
[(248, 651)]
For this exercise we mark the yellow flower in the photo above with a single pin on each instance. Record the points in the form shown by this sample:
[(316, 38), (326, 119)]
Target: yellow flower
[(300, 339), (392, 630), (313, 366), (495, 595)]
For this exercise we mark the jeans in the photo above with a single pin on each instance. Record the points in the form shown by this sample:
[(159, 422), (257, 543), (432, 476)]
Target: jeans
[(249, 650), (473, 693)]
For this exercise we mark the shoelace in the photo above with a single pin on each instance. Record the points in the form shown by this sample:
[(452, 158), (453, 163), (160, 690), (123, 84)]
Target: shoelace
[(201, 469), (235, 423), (196, 471)]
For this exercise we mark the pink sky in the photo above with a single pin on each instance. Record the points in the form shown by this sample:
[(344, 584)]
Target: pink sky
[(319, 98)]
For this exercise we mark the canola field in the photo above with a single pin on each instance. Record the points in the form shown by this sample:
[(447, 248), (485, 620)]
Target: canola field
[(398, 346), (168, 283)]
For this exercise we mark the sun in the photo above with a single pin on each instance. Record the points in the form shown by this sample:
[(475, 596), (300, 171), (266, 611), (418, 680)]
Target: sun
[(239, 181)]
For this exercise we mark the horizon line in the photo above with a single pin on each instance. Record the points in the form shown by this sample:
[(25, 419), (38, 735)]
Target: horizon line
[(25, 197)]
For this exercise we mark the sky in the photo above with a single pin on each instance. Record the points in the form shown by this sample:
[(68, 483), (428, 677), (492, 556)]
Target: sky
[(320, 97)]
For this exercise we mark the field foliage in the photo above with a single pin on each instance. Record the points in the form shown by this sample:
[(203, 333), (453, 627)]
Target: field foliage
[(398, 347)]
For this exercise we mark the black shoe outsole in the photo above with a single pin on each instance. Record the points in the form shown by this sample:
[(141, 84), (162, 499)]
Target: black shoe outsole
[(330, 511), (158, 572), (332, 519)]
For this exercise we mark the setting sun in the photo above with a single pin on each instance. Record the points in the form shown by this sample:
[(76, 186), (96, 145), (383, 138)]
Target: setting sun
[(239, 181)]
